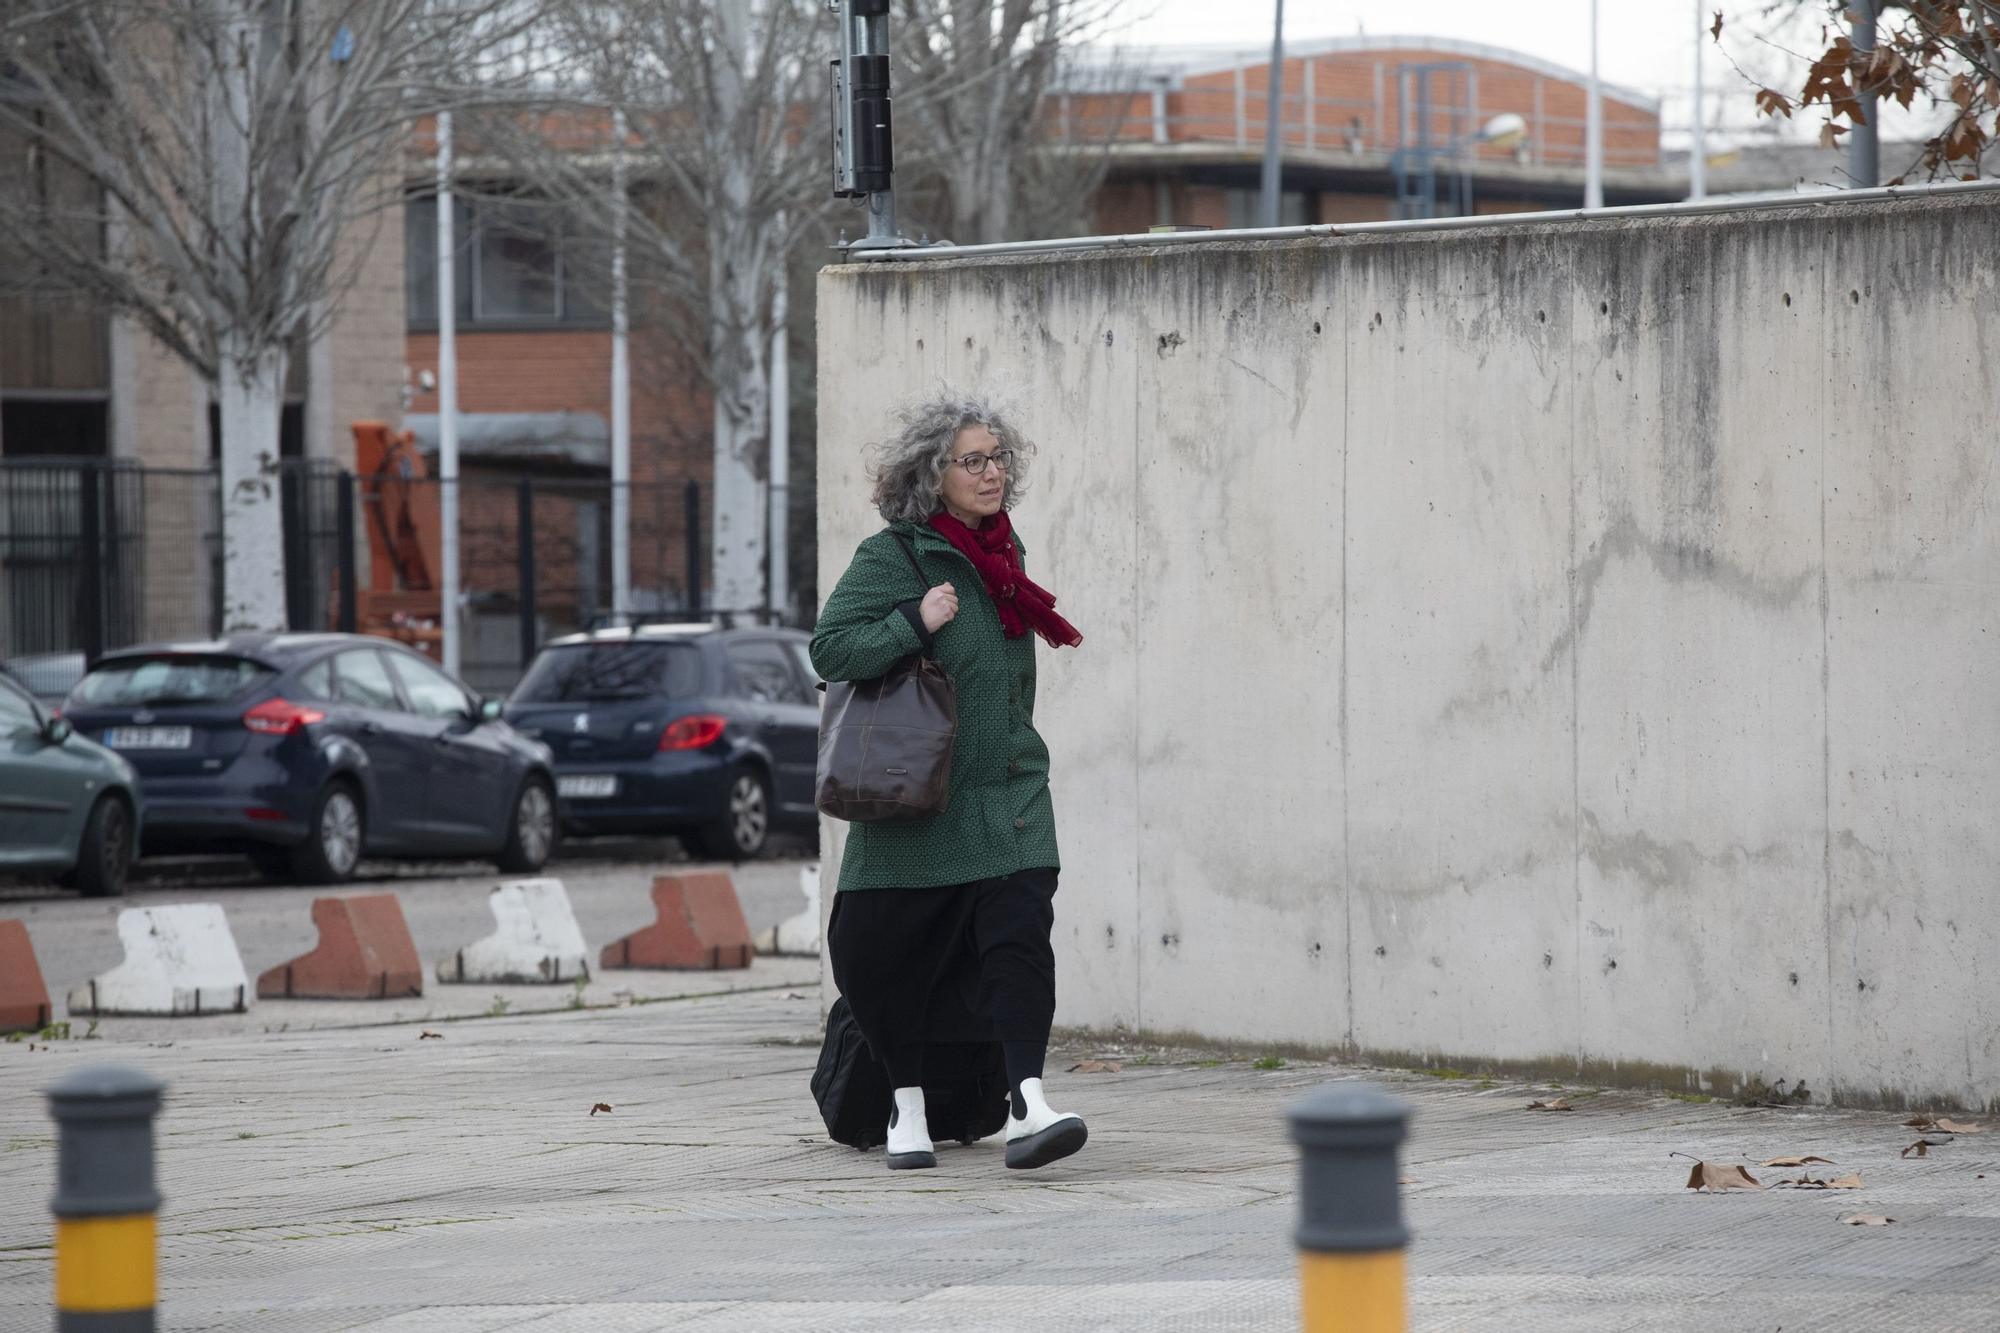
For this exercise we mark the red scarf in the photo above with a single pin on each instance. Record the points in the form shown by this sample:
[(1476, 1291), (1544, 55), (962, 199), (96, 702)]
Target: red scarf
[(1022, 604)]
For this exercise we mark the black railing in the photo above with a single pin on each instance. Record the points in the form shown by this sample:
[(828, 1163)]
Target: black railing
[(99, 554)]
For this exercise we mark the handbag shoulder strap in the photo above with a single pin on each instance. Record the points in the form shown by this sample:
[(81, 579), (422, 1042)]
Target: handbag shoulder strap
[(910, 554)]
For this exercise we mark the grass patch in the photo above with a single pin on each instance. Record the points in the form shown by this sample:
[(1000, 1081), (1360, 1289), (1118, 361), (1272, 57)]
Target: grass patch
[(1268, 1062), (1695, 1098), (1448, 1075)]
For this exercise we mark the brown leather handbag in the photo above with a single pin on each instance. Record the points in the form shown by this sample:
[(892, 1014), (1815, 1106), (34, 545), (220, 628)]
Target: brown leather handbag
[(885, 744)]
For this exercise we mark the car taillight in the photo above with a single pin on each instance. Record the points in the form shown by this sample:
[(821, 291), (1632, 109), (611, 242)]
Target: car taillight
[(281, 717), (693, 733)]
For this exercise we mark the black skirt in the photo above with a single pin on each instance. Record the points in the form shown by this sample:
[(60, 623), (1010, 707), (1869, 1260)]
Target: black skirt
[(971, 962)]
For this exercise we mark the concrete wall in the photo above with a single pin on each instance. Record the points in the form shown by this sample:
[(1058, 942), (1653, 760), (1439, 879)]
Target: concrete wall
[(1573, 646)]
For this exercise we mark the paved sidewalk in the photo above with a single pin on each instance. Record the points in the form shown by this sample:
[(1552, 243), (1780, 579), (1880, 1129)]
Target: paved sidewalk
[(370, 1179)]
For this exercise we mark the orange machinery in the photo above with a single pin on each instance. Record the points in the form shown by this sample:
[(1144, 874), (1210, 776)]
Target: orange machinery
[(405, 539)]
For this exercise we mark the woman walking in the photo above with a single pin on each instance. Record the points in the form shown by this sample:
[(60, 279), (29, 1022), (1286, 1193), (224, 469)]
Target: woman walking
[(940, 915)]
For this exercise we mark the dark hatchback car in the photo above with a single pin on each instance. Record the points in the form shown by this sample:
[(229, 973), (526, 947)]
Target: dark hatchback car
[(309, 751), (710, 734)]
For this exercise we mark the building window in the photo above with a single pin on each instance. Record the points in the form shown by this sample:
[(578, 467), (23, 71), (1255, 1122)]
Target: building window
[(518, 265), (1246, 208)]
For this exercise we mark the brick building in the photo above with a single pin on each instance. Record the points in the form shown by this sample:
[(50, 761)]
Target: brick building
[(1359, 117), (82, 391)]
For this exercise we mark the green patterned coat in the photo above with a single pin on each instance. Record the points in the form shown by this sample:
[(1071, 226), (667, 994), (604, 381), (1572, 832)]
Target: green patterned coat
[(1000, 818)]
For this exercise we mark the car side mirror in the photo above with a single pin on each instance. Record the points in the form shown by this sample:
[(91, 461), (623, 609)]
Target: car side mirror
[(58, 730), (490, 709)]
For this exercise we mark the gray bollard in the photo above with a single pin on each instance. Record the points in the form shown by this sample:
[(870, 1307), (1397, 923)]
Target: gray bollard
[(1350, 1235), (107, 1246)]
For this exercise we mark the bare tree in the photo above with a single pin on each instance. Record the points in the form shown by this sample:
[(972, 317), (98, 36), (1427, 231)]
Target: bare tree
[(976, 140), (724, 146), (228, 149)]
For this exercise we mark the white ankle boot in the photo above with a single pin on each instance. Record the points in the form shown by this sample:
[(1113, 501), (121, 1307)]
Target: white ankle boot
[(909, 1135), (1042, 1135)]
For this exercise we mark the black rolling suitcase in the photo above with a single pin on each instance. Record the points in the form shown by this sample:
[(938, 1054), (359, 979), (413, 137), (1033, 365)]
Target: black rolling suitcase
[(965, 1087)]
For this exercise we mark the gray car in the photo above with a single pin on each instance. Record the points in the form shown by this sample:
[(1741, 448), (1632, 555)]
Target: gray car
[(69, 808)]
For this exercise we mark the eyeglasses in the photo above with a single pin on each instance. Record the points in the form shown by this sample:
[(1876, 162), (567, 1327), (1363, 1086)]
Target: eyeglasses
[(975, 463)]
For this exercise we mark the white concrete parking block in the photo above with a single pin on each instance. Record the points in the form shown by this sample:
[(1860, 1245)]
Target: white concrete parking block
[(179, 959), (537, 940), (797, 935)]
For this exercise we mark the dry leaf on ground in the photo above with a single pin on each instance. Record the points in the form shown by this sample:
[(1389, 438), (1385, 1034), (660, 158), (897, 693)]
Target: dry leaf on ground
[(1552, 1104), (1959, 1127), (1406, 1180), (1813, 1183), (428, 1035), (1798, 1161), (1866, 1220), (601, 1106), (1096, 1067), (1922, 1147), (1844, 1183), (1719, 1176)]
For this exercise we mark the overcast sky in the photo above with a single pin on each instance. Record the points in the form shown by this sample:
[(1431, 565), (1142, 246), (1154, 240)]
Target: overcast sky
[(1643, 44)]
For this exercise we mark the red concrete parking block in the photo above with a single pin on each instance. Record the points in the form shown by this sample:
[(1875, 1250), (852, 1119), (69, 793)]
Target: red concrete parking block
[(700, 927), (364, 953), (24, 996)]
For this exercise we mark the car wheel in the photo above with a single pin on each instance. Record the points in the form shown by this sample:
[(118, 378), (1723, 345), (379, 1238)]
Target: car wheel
[(105, 856), (531, 831), (745, 825), (338, 834)]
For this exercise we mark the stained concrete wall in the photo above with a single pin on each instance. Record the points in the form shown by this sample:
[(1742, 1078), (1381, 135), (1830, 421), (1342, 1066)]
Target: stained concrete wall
[(1574, 646)]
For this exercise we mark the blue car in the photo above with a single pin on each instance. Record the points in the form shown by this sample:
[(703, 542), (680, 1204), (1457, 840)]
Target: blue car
[(709, 734), (309, 751)]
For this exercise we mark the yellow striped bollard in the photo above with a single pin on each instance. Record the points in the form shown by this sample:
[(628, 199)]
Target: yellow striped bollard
[(107, 1278), (1351, 1235)]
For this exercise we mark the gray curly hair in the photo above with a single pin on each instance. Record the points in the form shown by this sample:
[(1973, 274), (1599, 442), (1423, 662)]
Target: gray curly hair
[(909, 467)]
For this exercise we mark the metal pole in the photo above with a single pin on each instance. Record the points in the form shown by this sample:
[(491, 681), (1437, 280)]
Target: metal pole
[(524, 538), (1593, 134), (1312, 107), (779, 575), (349, 559), (90, 534), (447, 298), (1697, 152), (621, 388), (1863, 150), (1351, 1236), (1242, 130), (106, 1204), (693, 517), (1273, 110), (870, 139)]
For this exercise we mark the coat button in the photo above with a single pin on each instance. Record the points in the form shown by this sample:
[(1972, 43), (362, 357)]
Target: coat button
[(1013, 766), (1020, 823)]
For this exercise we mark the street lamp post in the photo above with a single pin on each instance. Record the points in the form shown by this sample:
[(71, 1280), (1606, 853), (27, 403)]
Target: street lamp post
[(1273, 111), (1593, 132), (863, 139)]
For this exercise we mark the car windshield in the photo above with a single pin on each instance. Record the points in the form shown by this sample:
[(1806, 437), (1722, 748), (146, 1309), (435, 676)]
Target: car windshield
[(154, 682), (599, 672)]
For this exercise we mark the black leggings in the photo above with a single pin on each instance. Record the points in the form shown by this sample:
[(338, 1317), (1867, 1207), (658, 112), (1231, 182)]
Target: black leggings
[(971, 962)]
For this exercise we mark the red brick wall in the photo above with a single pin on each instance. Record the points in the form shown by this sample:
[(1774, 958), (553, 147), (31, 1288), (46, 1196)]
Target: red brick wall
[(569, 370), (1344, 89)]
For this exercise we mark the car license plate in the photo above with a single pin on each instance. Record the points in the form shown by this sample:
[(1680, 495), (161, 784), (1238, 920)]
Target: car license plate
[(588, 785), (149, 738)]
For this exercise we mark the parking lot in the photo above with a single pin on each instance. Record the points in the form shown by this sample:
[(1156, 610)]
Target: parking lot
[(445, 904)]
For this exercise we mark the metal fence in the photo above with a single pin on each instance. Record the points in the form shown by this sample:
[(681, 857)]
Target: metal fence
[(99, 554)]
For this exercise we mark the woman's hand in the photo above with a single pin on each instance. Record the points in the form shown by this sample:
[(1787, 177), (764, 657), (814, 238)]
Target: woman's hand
[(940, 607)]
